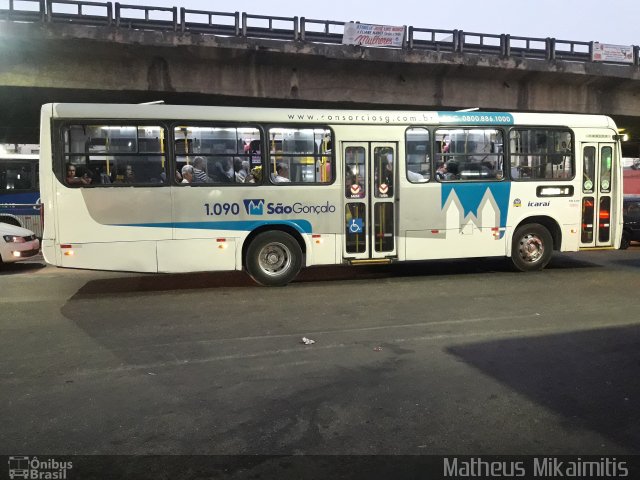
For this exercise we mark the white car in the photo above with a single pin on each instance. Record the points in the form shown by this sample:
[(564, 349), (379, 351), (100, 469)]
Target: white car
[(17, 243)]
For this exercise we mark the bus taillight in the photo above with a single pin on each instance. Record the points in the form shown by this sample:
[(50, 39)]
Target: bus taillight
[(587, 220), (604, 215)]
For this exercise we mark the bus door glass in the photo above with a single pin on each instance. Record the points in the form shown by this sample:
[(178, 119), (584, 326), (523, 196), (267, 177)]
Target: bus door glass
[(597, 177), (370, 189)]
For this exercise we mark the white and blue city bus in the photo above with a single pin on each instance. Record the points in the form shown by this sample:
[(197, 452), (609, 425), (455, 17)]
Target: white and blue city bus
[(19, 193), (271, 191)]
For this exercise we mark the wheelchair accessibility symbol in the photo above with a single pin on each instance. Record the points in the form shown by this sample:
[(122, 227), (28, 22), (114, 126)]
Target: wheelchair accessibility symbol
[(355, 225)]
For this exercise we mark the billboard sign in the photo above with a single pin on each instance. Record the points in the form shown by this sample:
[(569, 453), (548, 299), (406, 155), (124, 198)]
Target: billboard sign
[(604, 52), (372, 35)]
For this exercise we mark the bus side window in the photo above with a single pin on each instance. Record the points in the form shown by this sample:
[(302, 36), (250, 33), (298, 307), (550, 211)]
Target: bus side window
[(418, 155), (301, 155)]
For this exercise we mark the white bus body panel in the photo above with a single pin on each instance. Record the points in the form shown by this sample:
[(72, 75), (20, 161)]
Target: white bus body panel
[(168, 229), (118, 256), (176, 256)]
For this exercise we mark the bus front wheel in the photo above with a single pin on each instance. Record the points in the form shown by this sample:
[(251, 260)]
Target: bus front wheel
[(273, 258), (532, 247)]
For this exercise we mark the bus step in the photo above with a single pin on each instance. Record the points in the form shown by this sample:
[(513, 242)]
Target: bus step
[(370, 261)]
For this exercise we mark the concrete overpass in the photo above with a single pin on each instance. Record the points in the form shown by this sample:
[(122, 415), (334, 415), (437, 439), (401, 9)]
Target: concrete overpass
[(46, 57)]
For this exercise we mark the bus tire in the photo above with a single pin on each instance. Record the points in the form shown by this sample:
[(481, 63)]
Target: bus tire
[(273, 258), (531, 248)]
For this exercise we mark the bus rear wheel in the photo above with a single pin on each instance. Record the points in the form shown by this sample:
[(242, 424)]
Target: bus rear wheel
[(532, 247), (273, 258)]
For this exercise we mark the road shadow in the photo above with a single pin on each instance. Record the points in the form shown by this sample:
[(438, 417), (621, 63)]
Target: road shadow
[(17, 268), (136, 283), (590, 377), (631, 257), (151, 282), (633, 263)]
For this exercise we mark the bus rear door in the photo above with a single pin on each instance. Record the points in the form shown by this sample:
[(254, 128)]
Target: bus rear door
[(598, 202), (370, 206)]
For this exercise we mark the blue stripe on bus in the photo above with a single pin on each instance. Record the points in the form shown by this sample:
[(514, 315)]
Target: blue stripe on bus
[(471, 194), (21, 210), (19, 197), (303, 226), (19, 203)]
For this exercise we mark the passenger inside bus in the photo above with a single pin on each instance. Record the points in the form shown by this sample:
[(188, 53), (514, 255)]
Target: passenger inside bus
[(187, 174), (415, 176), (199, 175), (241, 170), (128, 177), (451, 171), (72, 179), (282, 173), (387, 175), (223, 171), (255, 176)]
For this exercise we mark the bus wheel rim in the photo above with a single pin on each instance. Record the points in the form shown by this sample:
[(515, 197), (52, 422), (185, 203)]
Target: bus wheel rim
[(531, 248), (274, 258)]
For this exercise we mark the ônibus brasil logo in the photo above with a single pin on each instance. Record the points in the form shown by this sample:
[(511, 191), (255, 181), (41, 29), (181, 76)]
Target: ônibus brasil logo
[(256, 206), (37, 469)]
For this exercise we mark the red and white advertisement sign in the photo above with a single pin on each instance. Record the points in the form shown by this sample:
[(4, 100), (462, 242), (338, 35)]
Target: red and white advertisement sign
[(372, 35), (603, 52)]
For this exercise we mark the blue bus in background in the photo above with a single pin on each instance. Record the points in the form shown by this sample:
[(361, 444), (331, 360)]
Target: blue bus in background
[(19, 188)]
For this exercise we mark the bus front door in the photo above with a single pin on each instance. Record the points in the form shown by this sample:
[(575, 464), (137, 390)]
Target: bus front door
[(597, 197), (370, 201)]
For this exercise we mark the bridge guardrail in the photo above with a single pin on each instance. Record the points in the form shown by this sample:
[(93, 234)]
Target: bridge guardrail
[(289, 29), (146, 23), (528, 47), (24, 14), (572, 50), (308, 33), (189, 22), (432, 39), (80, 15), (271, 32)]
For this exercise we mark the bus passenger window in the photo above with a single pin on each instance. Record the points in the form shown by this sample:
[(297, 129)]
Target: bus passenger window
[(219, 155), (541, 154), (301, 155), (470, 154), (355, 172), (101, 155), (418, 155), (383, 165)]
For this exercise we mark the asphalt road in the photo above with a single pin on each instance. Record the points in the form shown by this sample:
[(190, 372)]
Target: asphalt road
[(456, 357)]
